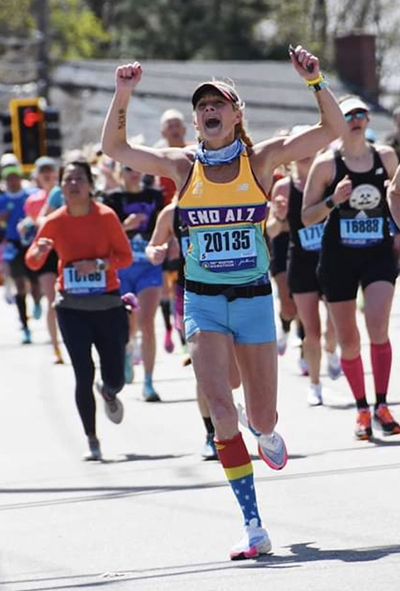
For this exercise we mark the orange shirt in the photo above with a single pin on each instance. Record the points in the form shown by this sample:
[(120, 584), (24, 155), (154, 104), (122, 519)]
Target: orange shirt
[(168, 189), (97, 235), (34, 204)]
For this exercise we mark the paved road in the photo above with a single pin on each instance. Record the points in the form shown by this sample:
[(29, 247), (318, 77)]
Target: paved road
[(153, 516)]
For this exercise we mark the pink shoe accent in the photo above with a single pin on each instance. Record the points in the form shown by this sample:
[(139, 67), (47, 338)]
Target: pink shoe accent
[(278, 459), (168, 342), (252, 552)]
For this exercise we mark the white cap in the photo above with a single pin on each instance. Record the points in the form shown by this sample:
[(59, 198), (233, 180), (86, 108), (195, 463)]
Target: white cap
[(353, 103), (171, 114), (9, 160)]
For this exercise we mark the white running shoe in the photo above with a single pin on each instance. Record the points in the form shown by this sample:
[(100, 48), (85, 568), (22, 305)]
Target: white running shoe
[(255, 541), (314, 396), (271, 447), (94, 454), (282, 342), (272, 450), (334, 367), (209, 451), (112, 405), (303, 366)]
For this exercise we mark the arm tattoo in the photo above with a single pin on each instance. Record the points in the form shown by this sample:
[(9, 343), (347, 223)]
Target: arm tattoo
[(121, 119), (321, 108)]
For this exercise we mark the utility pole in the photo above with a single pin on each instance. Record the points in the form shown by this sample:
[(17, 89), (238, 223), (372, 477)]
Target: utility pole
[(42, 14)]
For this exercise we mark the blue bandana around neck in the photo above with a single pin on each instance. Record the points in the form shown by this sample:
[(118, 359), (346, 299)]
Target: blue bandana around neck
[(224, 155)]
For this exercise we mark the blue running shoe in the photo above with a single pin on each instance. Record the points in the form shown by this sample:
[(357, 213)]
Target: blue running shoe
[(26, 336), (149, 394), (37, 310)]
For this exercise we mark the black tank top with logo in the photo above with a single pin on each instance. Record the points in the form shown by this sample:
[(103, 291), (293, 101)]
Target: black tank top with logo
[(361, 222)]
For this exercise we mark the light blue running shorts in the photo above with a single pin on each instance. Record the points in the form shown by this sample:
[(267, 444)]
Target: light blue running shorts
[(250, 321)]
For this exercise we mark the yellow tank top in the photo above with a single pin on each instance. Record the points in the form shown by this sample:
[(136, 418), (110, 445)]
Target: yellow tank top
[(226, 223)]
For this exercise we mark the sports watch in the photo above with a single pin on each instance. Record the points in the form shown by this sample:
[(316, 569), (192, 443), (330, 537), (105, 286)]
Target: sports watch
[(329, 202), (100, 265)]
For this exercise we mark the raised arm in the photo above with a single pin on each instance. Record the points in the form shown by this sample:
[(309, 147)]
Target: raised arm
[(153, 161), (270, 154)]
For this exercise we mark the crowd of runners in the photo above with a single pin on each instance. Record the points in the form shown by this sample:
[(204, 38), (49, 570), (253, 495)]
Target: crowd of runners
[(122, 230)]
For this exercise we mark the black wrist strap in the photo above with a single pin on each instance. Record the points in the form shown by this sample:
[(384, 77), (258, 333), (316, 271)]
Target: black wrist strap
[(329, 202)]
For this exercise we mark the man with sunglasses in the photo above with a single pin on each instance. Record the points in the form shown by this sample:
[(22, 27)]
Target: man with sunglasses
[(348, 184)]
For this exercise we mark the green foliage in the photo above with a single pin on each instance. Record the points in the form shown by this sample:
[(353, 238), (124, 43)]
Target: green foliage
[(188, 29), (192, 29), (75, 31), (297, 22), (15, 17)]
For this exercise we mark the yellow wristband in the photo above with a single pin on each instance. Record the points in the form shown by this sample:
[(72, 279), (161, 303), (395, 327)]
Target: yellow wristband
[(317, 80)]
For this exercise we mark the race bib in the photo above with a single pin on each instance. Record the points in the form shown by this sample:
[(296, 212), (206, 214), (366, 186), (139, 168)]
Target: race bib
[(311, 237), (138, 244), (360, 229), (84, 284), (228, 250)]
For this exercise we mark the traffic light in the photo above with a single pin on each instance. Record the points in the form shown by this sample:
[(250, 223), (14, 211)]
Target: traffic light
[(52, 132), (28, 134), (30, 130), (5, 119)]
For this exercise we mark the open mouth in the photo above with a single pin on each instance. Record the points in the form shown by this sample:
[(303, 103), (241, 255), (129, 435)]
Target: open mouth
[(212, 123)]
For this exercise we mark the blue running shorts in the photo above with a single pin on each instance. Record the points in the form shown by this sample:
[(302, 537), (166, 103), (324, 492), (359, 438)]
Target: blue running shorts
[(250, 321), (139, 276)]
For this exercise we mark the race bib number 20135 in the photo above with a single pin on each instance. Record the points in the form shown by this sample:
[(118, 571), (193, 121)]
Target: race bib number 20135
[(228, 250)]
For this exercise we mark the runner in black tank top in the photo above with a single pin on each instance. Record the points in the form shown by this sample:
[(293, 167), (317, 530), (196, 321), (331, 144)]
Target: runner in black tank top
[(357, 252), (357, 245), (304, 246), (278, 247)]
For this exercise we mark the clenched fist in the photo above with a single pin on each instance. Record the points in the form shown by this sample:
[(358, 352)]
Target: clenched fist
[(128, 76)]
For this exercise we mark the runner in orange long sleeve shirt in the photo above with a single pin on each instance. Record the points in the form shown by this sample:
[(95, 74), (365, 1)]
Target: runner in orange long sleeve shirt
[(91, 245)]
